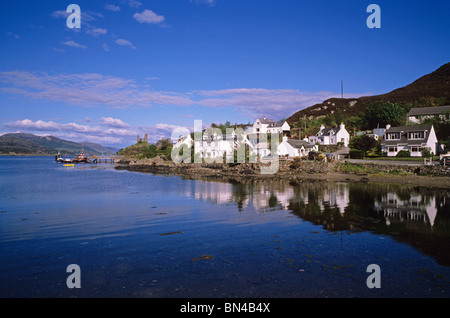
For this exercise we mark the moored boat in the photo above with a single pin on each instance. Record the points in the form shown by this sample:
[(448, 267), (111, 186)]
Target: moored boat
[(81, 158)]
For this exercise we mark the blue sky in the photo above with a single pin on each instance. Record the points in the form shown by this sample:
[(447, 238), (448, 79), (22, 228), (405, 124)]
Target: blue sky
[(137, 67)]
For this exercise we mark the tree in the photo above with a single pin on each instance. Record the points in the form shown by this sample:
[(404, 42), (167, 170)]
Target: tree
[(363, 143), (329, 120), (164, 147), (164, 144), (441, 126), (383, 113)]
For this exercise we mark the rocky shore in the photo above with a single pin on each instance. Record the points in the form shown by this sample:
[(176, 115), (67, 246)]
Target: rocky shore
[(423, 175)]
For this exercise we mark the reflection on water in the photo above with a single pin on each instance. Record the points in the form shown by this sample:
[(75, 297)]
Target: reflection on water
[(143, 235), (415, 215)]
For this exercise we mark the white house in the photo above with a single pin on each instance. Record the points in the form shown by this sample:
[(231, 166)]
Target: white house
[(410, 138), (182, 140), (331, 136), (295, 148), (417, 115), (262, 149), (213, 145), (264, 125)]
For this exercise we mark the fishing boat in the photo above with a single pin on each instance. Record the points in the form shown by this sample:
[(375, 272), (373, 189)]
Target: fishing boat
[(81, 158), (59, 158)]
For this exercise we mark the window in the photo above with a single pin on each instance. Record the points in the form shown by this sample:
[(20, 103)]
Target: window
[(392, 149), (416, 149), (393, 136), (416, 135)]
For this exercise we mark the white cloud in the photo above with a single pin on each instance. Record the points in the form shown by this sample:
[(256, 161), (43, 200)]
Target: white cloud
[(208, 2), (255, 102), (113, 122), (112, 7), (58, 50), (74, 44), (134, 3), (148, 16), (16, 36), (60, 14), (86, 15), (74, 131), (87, 89), (92, 89), (96, 31), (105, 47), (123, 42), (117, 136)]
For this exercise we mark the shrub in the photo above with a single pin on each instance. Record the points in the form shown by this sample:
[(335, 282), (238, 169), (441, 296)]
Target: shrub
[(356, 154), (426, 152), (296, 163), (403, 153)]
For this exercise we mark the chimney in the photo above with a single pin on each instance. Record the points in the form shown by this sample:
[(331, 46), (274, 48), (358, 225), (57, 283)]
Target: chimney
[(388, 126), (322, 127), (342, 126)]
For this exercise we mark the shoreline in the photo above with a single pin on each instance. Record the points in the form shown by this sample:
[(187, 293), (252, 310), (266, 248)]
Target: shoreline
[(25, 155), (309, 171)]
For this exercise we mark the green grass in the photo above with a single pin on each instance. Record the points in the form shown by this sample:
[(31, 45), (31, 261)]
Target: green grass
[(402, 158)]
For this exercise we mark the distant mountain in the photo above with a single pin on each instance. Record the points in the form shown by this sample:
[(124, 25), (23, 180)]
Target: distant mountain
[(430, 90), (100, 148), (21, 143)]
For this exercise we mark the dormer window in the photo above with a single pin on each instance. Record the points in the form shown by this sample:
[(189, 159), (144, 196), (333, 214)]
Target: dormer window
[(416, 135), (393, 136)]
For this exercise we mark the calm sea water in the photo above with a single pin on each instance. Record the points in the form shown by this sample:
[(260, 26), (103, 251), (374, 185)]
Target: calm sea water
[(143, 235)]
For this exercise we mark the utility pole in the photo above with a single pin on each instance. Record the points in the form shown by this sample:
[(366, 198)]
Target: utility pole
[(342, 89)]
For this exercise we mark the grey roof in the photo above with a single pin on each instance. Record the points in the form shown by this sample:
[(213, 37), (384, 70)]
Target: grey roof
[(299, 143), (403, 130), (265, 120), (277, 124), (429, 110), (409, 128), (327, 131)]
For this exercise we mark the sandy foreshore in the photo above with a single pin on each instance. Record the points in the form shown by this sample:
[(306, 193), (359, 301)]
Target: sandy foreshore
[(436, 177)]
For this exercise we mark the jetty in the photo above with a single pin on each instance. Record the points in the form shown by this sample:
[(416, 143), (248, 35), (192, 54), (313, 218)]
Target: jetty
[(96, 159), (83, 158)]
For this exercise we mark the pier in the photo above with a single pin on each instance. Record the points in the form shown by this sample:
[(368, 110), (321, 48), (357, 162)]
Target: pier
[(96, 159), (86, 159)]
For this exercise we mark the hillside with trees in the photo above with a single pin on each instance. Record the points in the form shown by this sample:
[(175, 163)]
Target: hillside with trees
[(369, 112)]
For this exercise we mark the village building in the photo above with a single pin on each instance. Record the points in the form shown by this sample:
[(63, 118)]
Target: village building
[(410, 138), (418, 115), (262, 149), (370, 133), (268, 126), (213, 145), (295, 148), (331, 136)]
